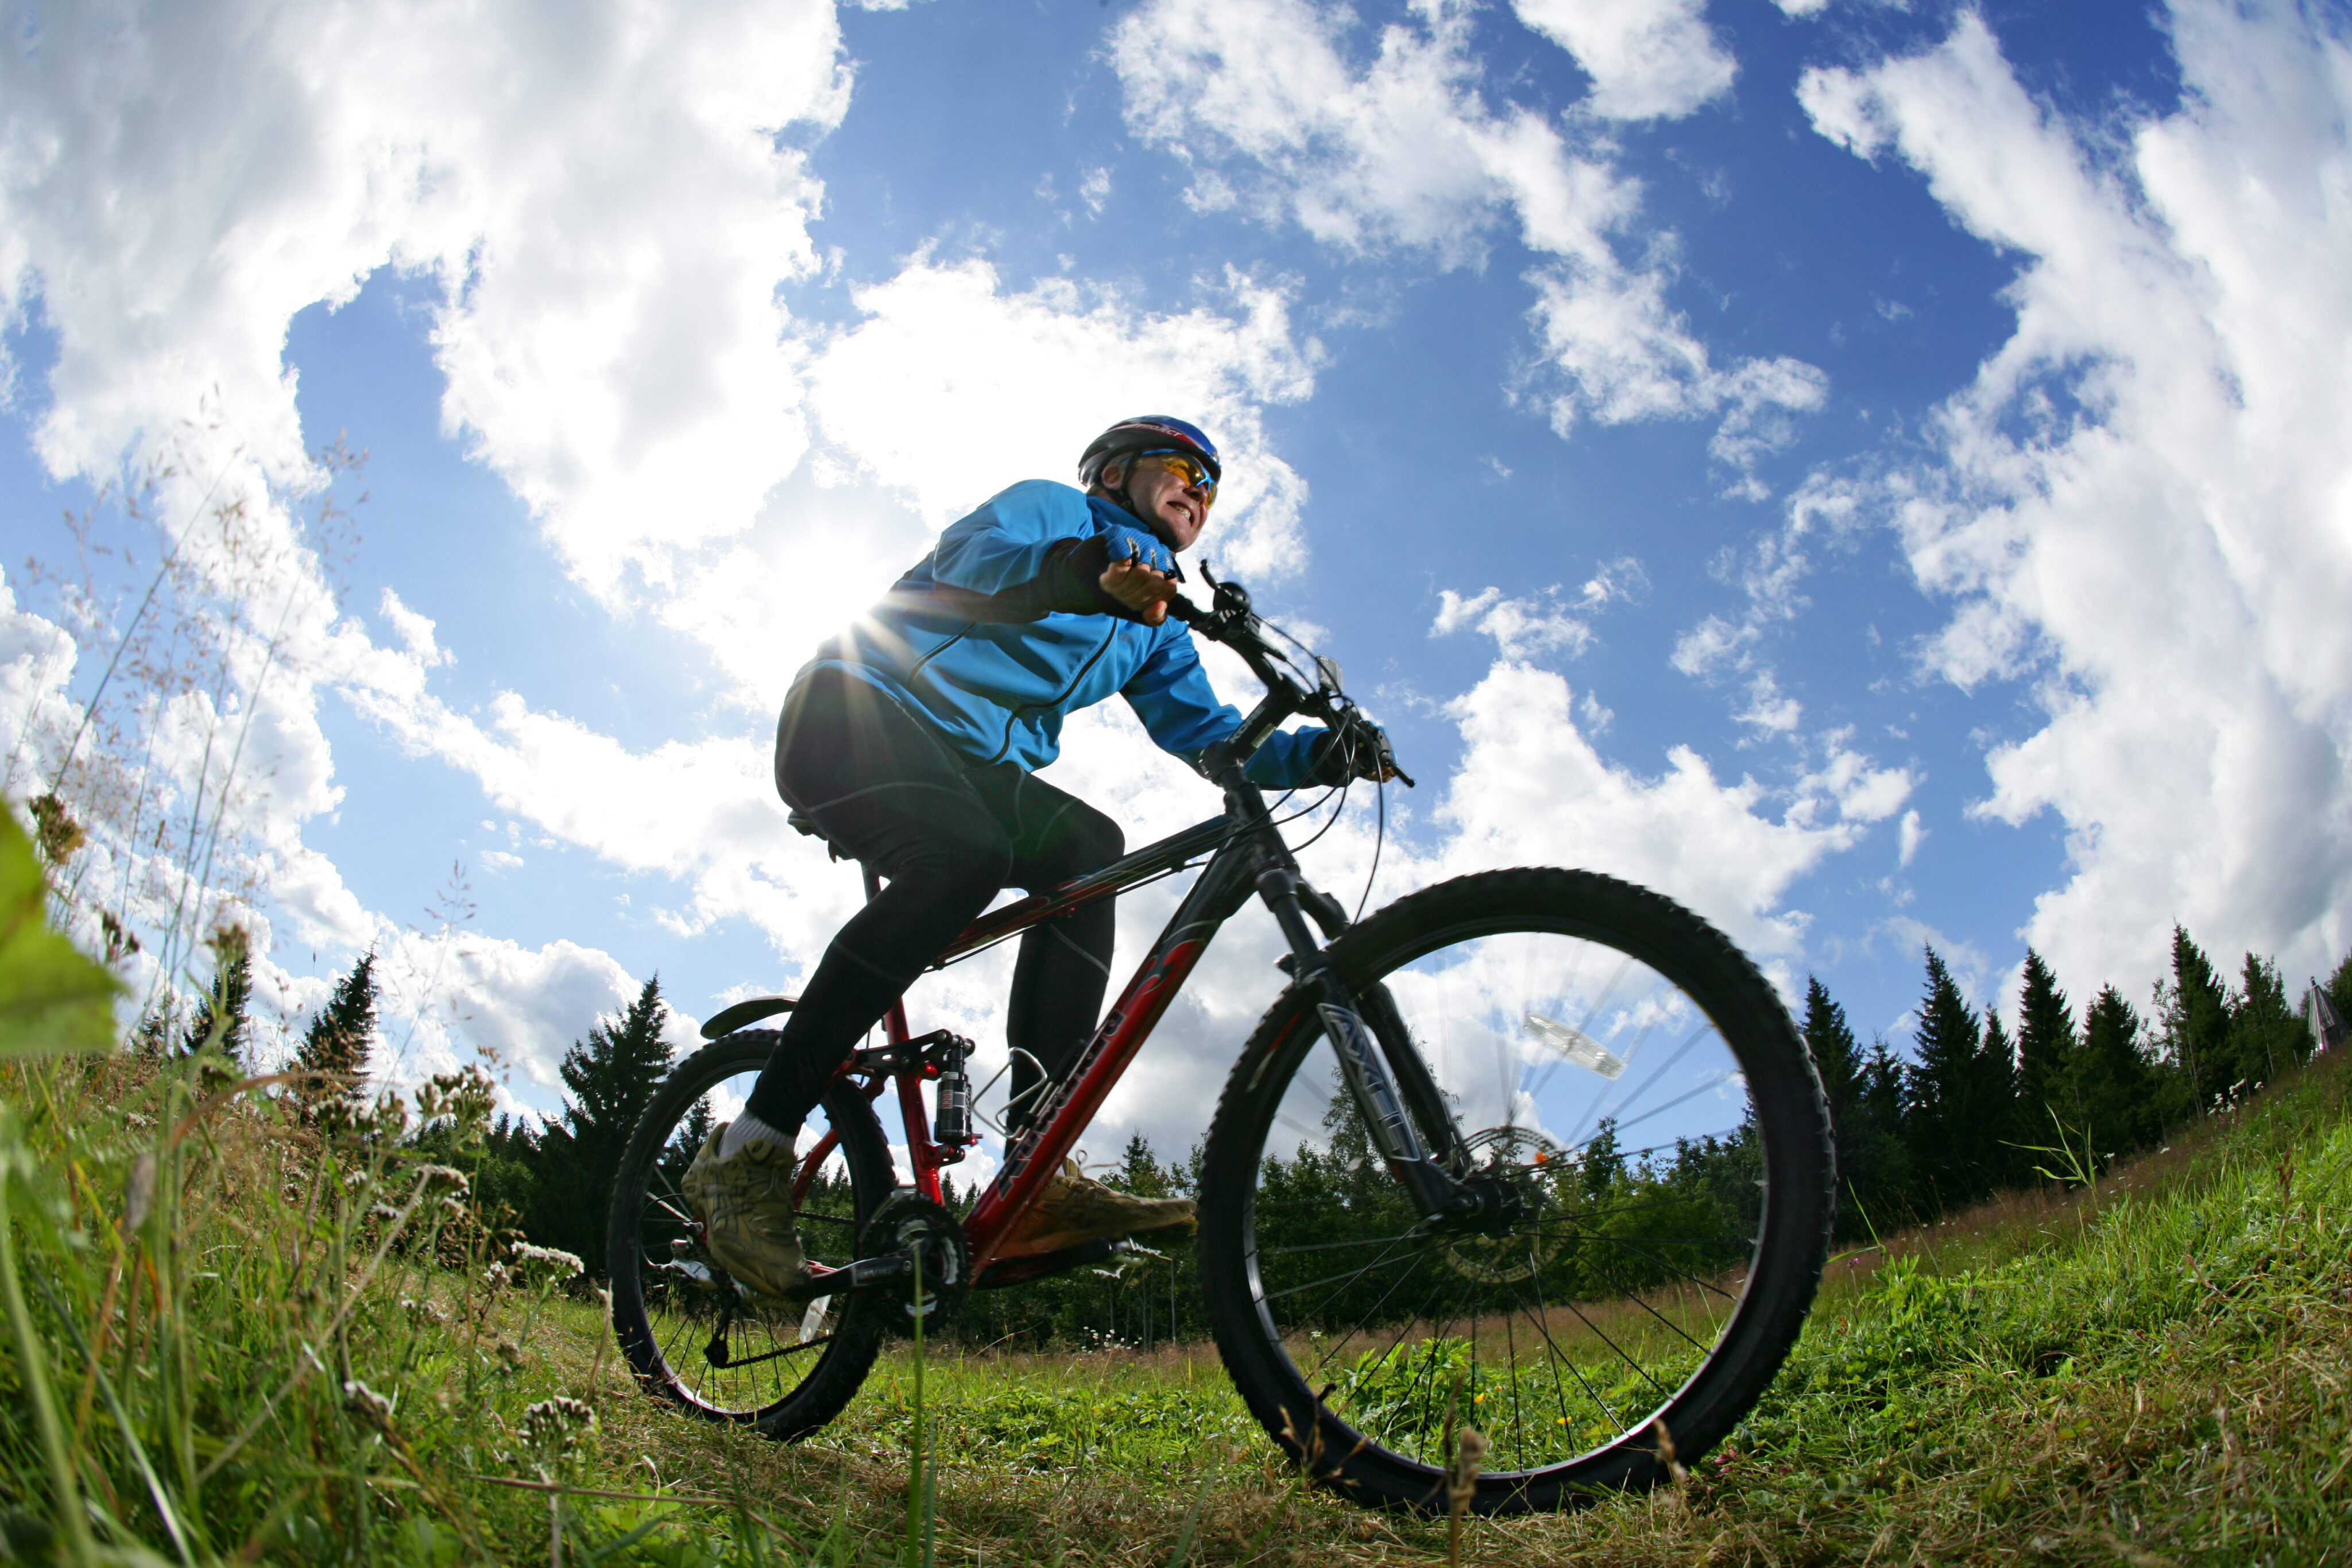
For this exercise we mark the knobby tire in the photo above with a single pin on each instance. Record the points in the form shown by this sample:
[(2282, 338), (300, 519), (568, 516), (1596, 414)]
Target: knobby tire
[(1654, 1306), (662, 1315)]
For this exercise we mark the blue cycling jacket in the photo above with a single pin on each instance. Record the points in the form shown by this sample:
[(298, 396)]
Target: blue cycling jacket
[(996, 690)]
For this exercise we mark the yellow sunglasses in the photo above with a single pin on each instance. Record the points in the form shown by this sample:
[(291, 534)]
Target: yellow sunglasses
[(1188, 468)]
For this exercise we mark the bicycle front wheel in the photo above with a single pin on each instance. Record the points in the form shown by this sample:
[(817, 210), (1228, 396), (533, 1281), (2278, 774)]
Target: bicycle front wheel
[(694, 1338), (1649, 1134)]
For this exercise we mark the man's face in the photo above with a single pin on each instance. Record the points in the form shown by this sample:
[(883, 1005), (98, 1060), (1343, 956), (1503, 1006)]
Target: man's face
[(1162, 494)]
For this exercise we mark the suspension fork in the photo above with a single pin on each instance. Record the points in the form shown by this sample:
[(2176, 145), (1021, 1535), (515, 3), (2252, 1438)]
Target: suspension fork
[(1365, 1059)]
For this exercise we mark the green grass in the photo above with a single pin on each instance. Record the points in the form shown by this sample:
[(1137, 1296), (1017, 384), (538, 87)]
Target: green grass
[(2156, 1370)]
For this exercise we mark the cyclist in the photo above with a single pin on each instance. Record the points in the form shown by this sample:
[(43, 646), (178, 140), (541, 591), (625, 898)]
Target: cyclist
[(912, 741)]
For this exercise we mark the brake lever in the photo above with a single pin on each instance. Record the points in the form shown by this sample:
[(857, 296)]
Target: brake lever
[(1389, 761), (1232, 614)]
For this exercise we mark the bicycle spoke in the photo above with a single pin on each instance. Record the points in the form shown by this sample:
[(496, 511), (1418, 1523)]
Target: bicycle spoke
[(1333, 1352), (1329, 1245), (1705, 1027), (1715, 1083), (1350, 1276)]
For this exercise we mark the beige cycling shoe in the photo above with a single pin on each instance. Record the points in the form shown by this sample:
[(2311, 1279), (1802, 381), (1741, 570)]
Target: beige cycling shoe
[(745, 1204), (1075, 1207)]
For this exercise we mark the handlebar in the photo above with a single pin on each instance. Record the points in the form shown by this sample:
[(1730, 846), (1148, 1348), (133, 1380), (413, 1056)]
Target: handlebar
[(1231, 622)]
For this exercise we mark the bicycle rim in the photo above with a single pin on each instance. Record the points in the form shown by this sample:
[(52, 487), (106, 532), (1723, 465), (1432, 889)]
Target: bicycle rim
[(1636, 1099), (692, 1337)]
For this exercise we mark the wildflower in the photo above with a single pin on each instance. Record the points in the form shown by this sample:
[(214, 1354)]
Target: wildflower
[(557, 1425), (441, 1178), (373, 1409), (549, 1263)]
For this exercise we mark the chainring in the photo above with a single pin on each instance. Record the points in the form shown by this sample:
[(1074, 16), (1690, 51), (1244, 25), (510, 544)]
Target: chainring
[(907, 1221)]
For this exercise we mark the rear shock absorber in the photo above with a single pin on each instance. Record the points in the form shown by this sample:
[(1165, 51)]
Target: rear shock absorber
[(951, 1116)]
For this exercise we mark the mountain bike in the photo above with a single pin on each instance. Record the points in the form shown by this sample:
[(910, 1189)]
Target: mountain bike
[(1533, 1151)]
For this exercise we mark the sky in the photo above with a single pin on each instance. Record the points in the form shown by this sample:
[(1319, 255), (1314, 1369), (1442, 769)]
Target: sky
[(1878, 472)]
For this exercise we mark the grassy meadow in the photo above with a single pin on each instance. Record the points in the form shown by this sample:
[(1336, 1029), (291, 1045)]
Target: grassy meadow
[(242, 1330)]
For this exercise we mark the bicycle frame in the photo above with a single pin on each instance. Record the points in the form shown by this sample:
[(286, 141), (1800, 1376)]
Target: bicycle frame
[(1246, 855), (1224, 886)]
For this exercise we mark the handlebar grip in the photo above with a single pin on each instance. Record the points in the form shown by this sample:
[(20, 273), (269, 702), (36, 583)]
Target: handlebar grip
[(1183, 608)]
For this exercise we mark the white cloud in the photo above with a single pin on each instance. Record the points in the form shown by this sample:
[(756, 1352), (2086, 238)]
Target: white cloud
[(415, 632), (1769, 709), (1909, 838), (2142, 507), (913, 393), (1532, 790), (609, 220), (1521, 627), (447, 995), (36, 660), (1823, 510), (1259, 100), (1540, 624), (1648, 58), (1861, 789), (602, 196)]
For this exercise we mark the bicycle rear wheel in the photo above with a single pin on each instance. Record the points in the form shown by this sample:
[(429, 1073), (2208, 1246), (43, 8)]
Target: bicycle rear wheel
[(1633, 1097), (691, 1336)]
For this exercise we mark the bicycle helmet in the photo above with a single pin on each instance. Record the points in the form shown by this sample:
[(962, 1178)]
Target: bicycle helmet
[(1147, 433)]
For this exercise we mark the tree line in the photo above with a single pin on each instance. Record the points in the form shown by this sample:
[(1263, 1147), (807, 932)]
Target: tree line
[(1975, 1111), (1972, 1109)]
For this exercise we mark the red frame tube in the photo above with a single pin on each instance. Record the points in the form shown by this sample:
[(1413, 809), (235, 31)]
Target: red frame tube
[(1032, 1160)]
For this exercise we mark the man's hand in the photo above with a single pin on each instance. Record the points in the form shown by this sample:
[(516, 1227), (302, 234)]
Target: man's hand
[(1358, 750), (1140, 589)]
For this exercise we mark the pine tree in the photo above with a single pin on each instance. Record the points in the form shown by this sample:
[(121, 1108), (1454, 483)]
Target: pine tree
[(2196, 1024), (2266, 1036), (1994, 1084), (609, 1076), (2045, 1049), (1947, 1120), (1599, 1164), (218, 1023), (1884, 1188), (1838, 1058), (151, 1038), (1139, 1170), (2112, 1080), (336, 1045), (2339, 987)]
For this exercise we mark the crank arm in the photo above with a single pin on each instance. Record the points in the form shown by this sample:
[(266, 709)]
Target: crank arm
[(865, 1275)]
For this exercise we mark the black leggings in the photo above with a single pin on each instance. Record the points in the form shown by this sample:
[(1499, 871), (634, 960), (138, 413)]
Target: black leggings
[(946, 836)]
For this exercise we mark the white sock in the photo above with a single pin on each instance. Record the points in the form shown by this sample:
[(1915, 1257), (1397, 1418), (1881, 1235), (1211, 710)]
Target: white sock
[(743, 1129)]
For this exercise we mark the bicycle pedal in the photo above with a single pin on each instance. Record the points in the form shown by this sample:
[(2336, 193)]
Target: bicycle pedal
[(1020, 1270)]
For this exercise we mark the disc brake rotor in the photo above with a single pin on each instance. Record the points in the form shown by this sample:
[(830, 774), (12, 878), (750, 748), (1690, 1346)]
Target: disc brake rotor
[(1520, 1164)]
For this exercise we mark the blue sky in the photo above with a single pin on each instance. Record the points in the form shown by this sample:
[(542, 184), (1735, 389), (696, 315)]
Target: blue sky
[(1875, 471)]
